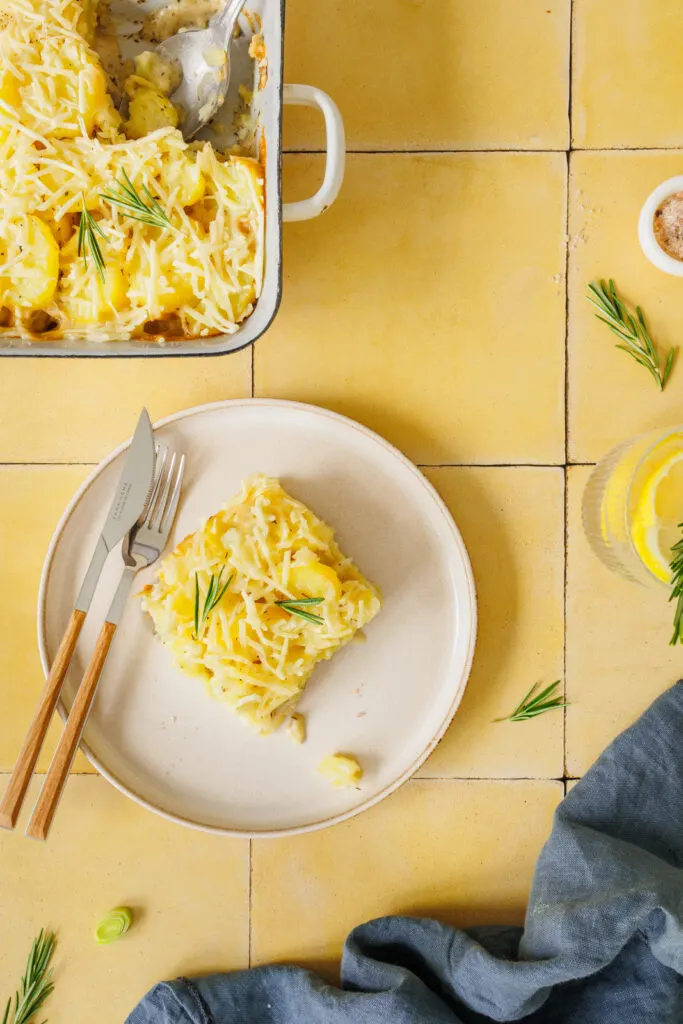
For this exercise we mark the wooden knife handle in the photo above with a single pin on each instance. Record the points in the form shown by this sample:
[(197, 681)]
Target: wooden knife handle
[(45, 808), (10, 806)]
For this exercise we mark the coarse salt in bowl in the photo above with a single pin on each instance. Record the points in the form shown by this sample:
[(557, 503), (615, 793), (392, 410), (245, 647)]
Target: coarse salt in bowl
[(646, 231)]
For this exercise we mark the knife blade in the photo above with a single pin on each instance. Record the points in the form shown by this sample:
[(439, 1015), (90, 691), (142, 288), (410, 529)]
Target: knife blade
[(128, 504)]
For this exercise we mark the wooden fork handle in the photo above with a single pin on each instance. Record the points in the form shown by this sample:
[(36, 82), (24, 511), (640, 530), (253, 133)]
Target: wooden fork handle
[(10, 806), (45, 808)]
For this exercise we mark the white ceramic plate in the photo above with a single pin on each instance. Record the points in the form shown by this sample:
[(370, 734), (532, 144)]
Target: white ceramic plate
[(158, 737)]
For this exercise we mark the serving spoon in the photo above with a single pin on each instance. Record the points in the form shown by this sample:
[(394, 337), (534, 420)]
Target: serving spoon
[(203, 58)]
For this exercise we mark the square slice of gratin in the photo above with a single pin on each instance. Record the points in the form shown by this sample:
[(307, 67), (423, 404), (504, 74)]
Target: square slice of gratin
[(253, 600)]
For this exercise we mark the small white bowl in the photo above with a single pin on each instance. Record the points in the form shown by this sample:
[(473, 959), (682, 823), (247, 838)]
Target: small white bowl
[(646, 231)]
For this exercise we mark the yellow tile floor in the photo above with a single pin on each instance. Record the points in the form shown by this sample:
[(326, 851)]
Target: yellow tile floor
[(440, 301)]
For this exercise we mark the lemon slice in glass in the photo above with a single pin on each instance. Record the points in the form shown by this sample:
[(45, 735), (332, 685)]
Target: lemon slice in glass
[(657, 511)]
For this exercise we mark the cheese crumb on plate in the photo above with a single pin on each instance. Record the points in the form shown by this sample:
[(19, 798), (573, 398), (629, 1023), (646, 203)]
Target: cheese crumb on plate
[(341, 770)]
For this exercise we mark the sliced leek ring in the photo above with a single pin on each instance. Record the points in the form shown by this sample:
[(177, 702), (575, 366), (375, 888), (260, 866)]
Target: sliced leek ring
[(113, 926)]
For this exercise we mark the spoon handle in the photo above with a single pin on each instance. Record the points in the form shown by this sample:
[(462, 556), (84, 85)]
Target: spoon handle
[(227, 16)]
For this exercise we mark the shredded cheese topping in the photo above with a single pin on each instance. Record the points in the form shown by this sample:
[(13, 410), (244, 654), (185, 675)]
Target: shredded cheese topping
[(62, 144), (252, 653)]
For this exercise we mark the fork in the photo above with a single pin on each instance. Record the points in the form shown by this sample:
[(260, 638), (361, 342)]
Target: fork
[(142, 546)]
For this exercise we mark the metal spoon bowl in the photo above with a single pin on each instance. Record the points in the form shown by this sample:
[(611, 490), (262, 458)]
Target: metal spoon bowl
[(203, 58)]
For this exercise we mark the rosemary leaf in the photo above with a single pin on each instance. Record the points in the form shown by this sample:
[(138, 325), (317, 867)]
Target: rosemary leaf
[(631, 330), (668, 368), (128, 199), (534, 704), (214, 593), (88, 230), (316, 620), (36, 984), (196, 606), (297, 606), (677, 589)]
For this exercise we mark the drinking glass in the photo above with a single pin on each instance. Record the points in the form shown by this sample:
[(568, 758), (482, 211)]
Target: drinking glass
[(619, 488)]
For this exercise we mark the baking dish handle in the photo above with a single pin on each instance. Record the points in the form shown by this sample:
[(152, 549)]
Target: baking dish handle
[(309, 96)]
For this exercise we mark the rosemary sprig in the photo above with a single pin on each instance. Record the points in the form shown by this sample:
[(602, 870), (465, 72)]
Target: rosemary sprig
[(134, 206), (36, 985), (298, 607), (213, 595), (677, 589), (631, 330), (88, 230), (536, 704)]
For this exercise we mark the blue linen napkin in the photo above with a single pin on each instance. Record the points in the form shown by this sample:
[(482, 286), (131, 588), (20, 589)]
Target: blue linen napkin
[(602, 941)]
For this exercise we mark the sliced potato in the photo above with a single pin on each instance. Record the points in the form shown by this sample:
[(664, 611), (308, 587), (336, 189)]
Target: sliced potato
[(177, 293), (160, 74), (115, 287), (203, 212), (341, 770), (94, 301), (9, 88), (86, 15), (184, 178), (149, 110), (241, 301), (314, 579), (171, 293), (63, 229), (9, 94), (93, 96), (236, 174), (88, 89), (5, 283), (34, 274)]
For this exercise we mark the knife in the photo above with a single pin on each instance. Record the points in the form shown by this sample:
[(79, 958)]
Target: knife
[(128, 505)]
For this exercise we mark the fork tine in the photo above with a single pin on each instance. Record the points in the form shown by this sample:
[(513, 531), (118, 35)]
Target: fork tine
[(158, 467), (157, 515), (169, 514), (158, 476)]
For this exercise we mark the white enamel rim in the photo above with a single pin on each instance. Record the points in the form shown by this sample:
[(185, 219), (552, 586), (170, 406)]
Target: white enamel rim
[(646, 232), (459, 688)]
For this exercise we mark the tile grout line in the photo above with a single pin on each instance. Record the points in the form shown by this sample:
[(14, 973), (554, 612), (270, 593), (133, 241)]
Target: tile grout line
[(431, 152), (491, 149), (566, 236), (491, 465), (564, 617), (491, 778), (565, 571), (250, 872), (5, 772), (420, 465), (503, 465), (488, 778), (570, 69), (59, 465), (615, 149)]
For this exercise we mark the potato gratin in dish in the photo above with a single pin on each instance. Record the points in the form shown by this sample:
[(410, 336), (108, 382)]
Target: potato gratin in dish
[(252, 601), (112, 228)]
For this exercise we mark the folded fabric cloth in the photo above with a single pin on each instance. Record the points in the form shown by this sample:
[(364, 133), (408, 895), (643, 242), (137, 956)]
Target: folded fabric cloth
[(602, 941)]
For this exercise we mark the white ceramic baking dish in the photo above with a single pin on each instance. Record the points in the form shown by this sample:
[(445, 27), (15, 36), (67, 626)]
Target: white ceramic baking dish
[(268, 103)]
